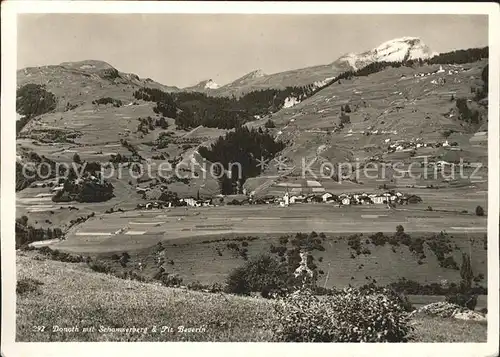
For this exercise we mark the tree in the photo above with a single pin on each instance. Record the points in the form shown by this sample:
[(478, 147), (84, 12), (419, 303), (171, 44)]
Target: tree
[(466, 273), (76, 158), (400, 229), (344, 119), (270, 124), (479, 211), (162, 123), (24, 220), (347, 108), (262, 274)]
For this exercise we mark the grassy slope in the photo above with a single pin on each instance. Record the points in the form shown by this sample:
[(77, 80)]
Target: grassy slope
[(385, 101), (194, 260), (199, 258), (73, 295), (102, 127), (103, 300)]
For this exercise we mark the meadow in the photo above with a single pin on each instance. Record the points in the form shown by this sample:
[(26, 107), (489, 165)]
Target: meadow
[(107, 304)]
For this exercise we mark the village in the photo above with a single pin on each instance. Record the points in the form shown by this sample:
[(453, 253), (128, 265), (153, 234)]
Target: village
[(390, 198)]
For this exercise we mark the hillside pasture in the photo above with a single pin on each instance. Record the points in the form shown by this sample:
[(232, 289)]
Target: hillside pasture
[(104, 301)]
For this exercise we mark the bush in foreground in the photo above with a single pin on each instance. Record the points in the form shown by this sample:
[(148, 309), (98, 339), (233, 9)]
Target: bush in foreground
[(262, 274), (351, 315)]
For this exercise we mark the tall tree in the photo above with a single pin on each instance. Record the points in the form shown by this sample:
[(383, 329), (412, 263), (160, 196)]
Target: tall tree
[(466, 272)]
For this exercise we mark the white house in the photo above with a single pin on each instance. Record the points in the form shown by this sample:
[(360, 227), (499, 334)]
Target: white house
[(58, 188), (378, 199), (326, 196), (190, 201), (286, 199)]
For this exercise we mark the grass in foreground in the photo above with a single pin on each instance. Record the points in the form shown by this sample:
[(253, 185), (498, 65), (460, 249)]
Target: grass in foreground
[(438, 329), (74, 296)]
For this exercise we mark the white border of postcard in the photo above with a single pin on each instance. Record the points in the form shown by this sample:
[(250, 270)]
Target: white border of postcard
[(9, 25)]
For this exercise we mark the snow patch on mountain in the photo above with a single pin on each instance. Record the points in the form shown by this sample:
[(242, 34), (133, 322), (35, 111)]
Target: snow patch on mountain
[(255, 74), (210, 84), (399, 49)]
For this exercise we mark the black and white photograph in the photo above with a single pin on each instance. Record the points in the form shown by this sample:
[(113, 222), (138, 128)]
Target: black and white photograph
[(251, 176)]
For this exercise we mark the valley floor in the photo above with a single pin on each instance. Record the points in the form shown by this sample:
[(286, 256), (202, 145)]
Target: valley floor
[(143, 228)]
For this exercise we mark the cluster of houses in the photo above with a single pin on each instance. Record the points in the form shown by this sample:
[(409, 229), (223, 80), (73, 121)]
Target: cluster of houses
[(401, 145), (440, 70), (183, 202), (390, 197)]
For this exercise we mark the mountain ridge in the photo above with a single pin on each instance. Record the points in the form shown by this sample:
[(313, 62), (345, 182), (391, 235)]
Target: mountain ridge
[(398, 49)]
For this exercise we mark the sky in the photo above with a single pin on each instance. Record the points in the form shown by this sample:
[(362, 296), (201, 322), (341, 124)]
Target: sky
[(183, 50)]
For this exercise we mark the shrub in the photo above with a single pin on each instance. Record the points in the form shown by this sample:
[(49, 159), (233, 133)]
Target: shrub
[(76, 158), (169, 279), (124, 259), (99, 267), (107, 100), (263, 274), (27, 285), (244, 253), (449, 262), (283, 240), (393, 294), (440, 246), (479, 211), (237, 283), (466, 300), (233, 246), (345, 119), (378, 238), (351, 315), (270, 124), (196, 285)]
